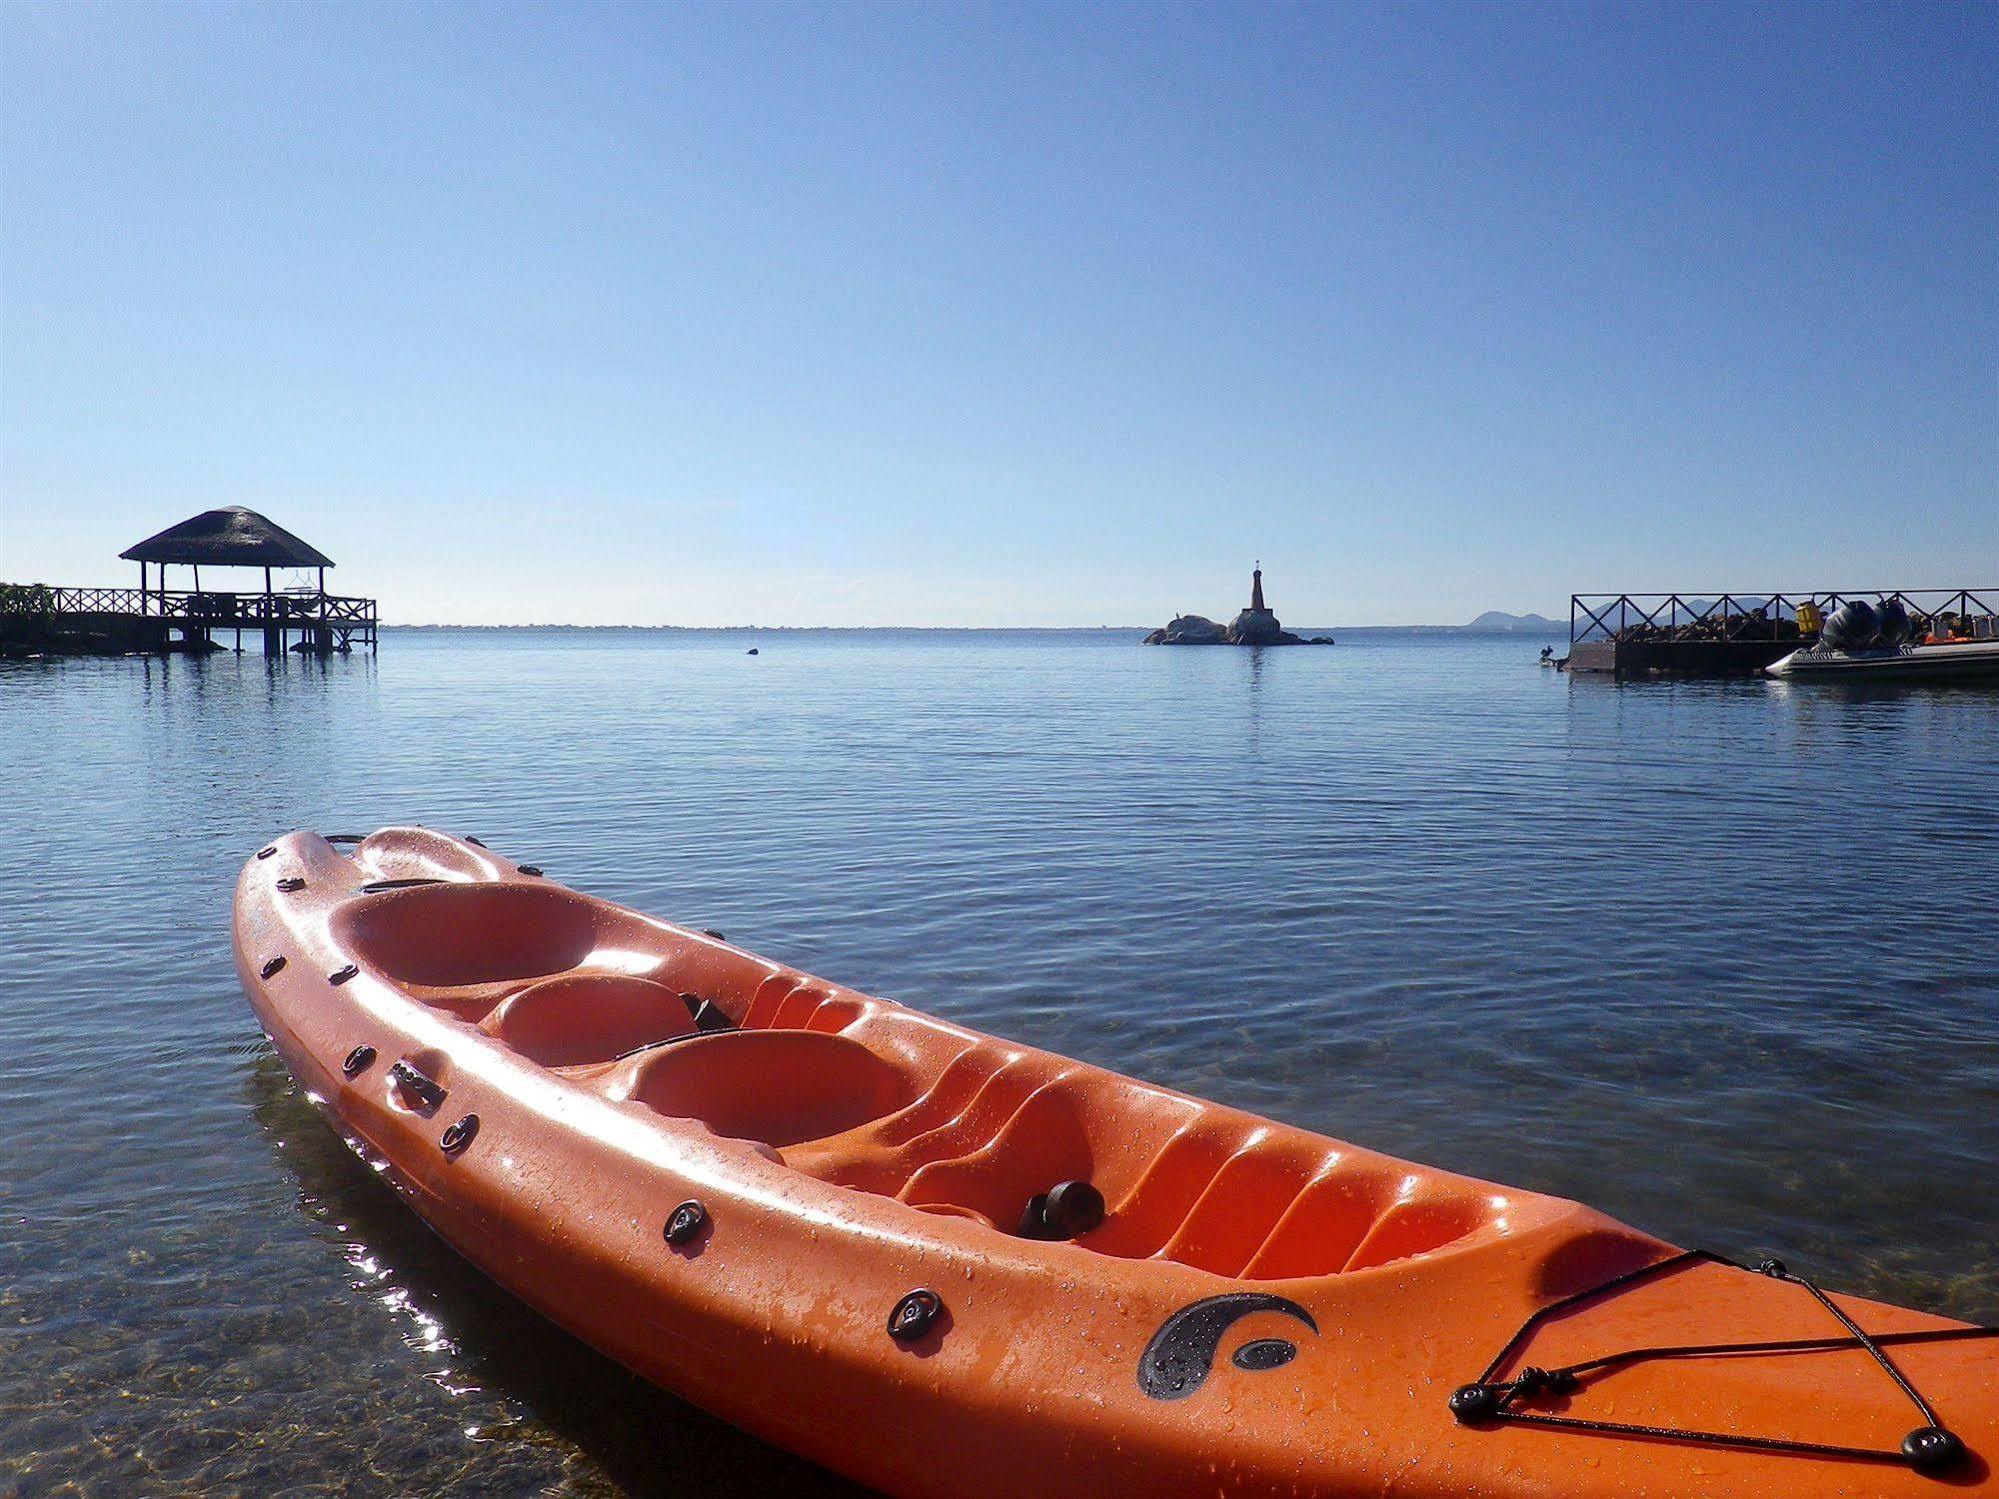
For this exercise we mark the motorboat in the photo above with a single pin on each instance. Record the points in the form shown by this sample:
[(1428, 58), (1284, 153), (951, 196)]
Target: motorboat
[(1956, 660)]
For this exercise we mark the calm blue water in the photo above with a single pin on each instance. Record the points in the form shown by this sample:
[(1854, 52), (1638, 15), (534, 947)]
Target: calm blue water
[(1719, 958)]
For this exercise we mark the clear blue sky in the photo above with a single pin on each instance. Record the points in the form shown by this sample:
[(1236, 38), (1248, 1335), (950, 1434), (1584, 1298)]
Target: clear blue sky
[(951, 314)]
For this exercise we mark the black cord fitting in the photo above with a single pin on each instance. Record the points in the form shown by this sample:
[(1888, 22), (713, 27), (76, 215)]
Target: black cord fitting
[(1531, 1381), (1474, 1404), (1931, 1450)]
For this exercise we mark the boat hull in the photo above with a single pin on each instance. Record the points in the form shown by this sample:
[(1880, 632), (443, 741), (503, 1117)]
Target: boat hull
[(1968, 661), (1259, 1311)]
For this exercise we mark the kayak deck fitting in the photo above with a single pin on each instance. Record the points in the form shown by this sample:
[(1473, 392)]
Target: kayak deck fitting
[(943, 1263)]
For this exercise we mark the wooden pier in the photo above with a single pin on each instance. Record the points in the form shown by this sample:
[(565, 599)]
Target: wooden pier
[(155, 619), (1672, 634)]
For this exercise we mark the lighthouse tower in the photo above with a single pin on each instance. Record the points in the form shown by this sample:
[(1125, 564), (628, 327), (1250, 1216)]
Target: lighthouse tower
[(1256, 591)]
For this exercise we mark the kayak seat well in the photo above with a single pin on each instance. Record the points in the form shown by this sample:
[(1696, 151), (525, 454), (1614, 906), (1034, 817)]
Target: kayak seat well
[(463, 947), (774, 1087), (580, 1019), (450, 936)]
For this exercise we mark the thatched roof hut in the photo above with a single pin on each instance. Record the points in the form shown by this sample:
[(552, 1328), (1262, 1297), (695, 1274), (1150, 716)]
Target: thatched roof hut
[(234, 537)]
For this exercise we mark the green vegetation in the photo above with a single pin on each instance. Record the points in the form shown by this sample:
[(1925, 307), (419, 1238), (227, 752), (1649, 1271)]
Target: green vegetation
[(27, 598)]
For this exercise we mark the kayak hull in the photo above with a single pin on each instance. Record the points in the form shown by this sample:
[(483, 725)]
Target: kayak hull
[(1260, 1310)]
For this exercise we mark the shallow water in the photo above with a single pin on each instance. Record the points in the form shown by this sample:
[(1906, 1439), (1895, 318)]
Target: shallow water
[(1718, 958)]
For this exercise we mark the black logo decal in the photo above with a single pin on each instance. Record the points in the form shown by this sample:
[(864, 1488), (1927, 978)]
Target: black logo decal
[(1182, 1352)]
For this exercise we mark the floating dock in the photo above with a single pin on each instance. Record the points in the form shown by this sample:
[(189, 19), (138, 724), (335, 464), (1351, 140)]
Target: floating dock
[(1724, 635)]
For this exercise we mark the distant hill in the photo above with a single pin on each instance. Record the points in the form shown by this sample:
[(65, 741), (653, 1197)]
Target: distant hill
[(1494, 622)]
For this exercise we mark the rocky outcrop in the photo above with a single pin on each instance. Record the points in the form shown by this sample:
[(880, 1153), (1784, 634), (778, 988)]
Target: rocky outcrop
[(1259, 627), (1254, 626), (1190, 629)]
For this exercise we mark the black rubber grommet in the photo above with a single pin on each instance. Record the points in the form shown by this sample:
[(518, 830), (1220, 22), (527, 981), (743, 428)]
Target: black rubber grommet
[(342, 975), (533, 869), (709, 931), (1073, 1208), (1474, 1403), (475, 842), (1931, 1449), (685, 1222), (358, 1060), (457, 1136), (290, 883), (1065, 1211), (265, 853), (272, 967), (915, 1315), (1034, 1217), (1771, 1267)]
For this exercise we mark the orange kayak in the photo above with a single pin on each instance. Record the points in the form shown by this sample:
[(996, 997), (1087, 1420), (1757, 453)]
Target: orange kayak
[(943, 1263)]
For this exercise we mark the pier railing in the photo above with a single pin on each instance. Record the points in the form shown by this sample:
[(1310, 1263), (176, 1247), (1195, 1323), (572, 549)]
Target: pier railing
[(1734, 617), (208, 606)]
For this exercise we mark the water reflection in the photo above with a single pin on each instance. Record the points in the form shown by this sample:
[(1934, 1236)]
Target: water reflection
[(522, 1381)]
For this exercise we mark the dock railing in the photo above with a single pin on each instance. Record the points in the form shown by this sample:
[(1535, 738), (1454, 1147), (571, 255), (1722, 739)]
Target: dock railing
[(209, 606), (214, 603), (333, 619), (1761, 616)]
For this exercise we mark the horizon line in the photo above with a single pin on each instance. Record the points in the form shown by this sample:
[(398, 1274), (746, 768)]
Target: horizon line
[(806, 629)]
